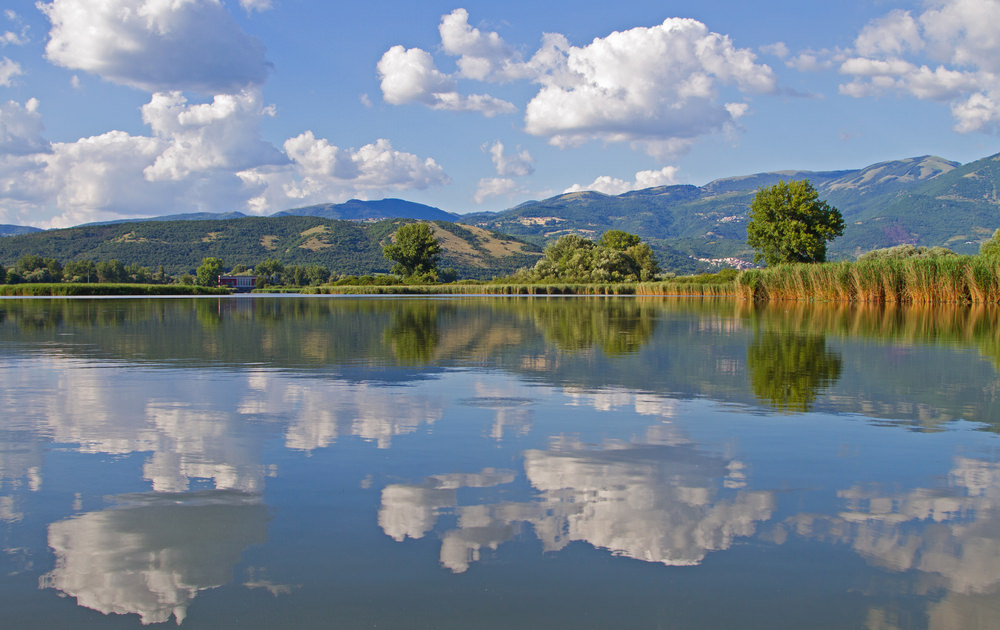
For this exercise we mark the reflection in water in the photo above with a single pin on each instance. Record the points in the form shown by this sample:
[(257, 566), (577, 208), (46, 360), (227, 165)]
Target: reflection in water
[(950, 535), (617, 327), (154, 553), (547, 402), (952, 532), (788, 371), (413, 333), (660, 501)]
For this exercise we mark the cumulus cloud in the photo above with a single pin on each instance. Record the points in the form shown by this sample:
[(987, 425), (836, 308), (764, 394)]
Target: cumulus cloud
[(482, 55), (8, 70), (321, 172), (255, 5), (778, 49), (155, 45), (223, 134), (949, 53), (645, 85), (894, 34), (494, 187), (21, 128), (199, 157), (10, 38), (643, 179), (519, 164), (410, 76), (658, 88)]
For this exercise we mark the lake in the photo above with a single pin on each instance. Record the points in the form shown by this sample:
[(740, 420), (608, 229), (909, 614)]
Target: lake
[(464, 462)]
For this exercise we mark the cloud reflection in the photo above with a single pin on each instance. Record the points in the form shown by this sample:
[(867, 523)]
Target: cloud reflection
[(152, 555), (660, 501)]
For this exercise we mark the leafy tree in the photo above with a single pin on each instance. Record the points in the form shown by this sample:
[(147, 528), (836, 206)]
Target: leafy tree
[(3, 275), (37, 269), (80, 271), (208, 272), (789, 223), (618, 240), (992, 246), (415, 251), (617, 257), (317, 274), (111, 271), (138, 274), (268, 272)]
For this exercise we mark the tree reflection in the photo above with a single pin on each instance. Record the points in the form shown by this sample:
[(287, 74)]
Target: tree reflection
[(413, 334), (618, 327), (788, 371)]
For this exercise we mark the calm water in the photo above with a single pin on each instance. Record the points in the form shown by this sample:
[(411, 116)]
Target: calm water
[(497, 463)]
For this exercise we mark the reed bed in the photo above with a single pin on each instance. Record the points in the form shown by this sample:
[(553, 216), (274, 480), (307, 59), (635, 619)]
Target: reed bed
[(948, 279), (628, 288), (70, 289)]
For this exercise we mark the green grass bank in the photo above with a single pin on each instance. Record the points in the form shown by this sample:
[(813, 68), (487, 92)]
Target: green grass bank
[(68, 289), (630, 288)]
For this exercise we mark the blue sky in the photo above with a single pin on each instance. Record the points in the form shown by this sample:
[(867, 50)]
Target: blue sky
[(120, 108)]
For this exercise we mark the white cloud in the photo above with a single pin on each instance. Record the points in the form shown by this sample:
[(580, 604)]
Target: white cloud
[(21, 128), (494, 187), (644, 85), (519, 164), (410, 76), (199, 157), (481, 55), (950, 53), (221, 135), (643, 179), (8, 70), (255, 5), (10, 38), (155, 45), (778, 49), (657, 88), (321, 172), (894, 34)]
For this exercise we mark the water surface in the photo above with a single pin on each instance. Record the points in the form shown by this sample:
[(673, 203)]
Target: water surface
[(497, 462)]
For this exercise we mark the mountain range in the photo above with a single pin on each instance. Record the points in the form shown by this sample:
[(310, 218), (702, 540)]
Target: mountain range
[(924, 200), (921, 201)]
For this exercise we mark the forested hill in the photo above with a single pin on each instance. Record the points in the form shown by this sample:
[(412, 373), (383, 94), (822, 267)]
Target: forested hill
[(346, 247), (921, 201), (11, 230)]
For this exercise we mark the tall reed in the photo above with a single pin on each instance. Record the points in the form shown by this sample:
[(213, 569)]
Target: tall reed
[(957, 279)]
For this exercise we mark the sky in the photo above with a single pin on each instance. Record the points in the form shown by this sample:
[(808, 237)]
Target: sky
[(112, 109)]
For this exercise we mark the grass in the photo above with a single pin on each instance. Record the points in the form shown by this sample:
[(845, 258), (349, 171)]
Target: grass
[(70, 289), (949, 279), (628, 288)]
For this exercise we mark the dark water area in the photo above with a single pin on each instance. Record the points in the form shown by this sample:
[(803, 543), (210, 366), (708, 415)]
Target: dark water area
[(340, 462)]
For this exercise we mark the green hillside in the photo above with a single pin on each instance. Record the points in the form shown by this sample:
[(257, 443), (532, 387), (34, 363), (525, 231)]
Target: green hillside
[(344, 247), (924, 201)]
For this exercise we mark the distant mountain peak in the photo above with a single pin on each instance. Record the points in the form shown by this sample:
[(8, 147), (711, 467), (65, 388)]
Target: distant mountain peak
[(364, 210)]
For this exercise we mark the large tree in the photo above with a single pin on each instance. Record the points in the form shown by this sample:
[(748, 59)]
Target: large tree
[(415, 251), (789, 223), (208, 272)]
